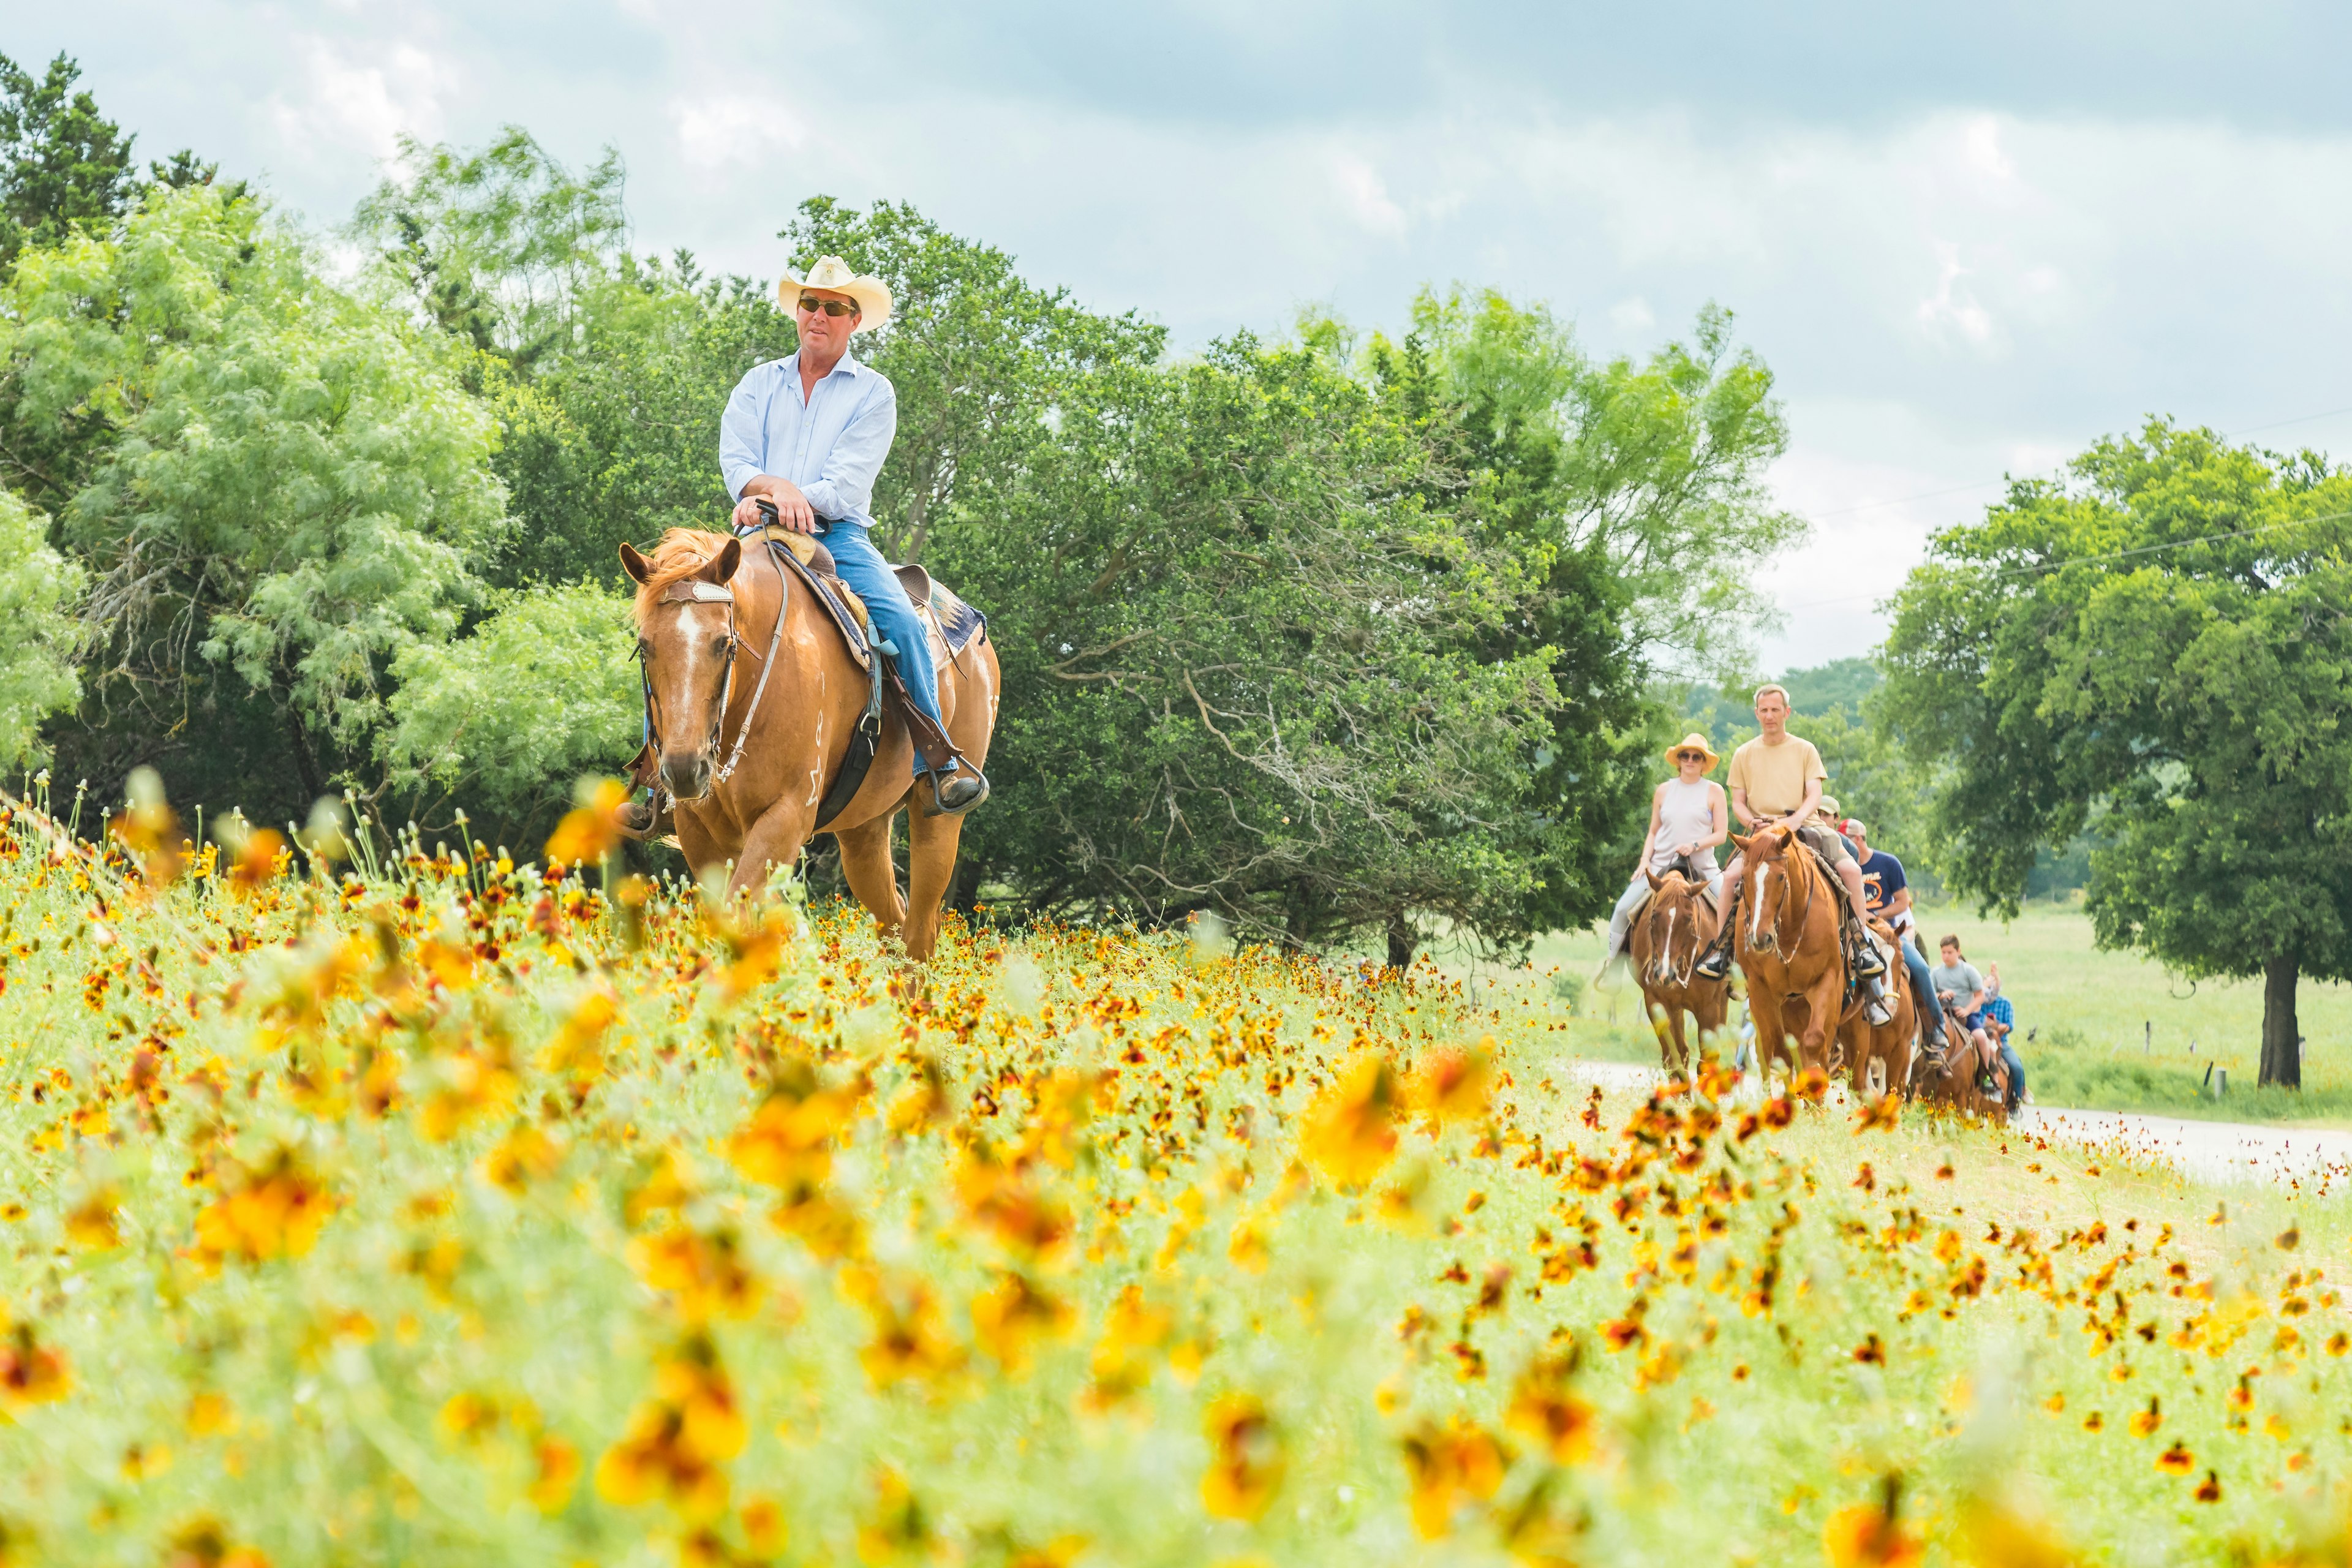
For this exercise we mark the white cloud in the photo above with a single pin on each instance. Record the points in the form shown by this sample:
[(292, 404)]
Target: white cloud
[(360, 100), (1631, 315), (717, 132), (1953, 304), (1366, 196)]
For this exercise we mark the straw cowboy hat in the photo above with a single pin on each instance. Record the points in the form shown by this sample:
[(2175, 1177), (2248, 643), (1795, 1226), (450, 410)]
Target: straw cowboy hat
[(1694, 741), (833, 275)]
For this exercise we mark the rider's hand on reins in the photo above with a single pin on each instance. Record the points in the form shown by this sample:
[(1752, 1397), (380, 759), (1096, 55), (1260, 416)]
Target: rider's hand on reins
[(792, 509)]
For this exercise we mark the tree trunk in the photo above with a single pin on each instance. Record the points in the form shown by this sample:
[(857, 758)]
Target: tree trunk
[(305, 764), (2282, 1038), (1403, 939)]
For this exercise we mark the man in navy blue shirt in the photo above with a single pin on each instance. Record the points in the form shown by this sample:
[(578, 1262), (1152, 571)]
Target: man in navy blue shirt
[(1888, 894)]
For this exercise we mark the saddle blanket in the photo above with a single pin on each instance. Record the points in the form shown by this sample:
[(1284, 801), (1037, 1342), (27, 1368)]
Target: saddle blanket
[(959, 624)]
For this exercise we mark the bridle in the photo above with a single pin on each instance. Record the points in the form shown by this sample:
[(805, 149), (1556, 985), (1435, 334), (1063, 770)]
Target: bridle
[(1664, 966), (696, 591), (1793, 848)]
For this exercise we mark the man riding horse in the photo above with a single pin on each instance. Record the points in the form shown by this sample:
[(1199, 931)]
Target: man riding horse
[(801, 443), (1776, 778)]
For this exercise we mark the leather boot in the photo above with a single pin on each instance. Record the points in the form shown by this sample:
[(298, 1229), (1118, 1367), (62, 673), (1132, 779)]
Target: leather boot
[(953, 792), (1715, 964), (1869, 964), (1876, 1008), (956, 786)]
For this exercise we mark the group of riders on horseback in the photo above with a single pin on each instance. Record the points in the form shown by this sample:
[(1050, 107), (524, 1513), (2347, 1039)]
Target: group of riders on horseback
[(1813, 977), (886, 698)]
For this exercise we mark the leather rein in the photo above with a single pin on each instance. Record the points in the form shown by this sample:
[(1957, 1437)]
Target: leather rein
[(694, 591), (1680, 974), (1781, 913)]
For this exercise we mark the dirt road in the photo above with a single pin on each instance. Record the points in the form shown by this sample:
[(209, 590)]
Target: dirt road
[(2319, 1159)]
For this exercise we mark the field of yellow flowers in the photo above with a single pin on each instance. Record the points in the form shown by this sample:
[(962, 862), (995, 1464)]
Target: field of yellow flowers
[(426, 1208)]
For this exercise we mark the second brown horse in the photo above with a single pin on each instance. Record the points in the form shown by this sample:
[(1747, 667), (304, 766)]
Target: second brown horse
[(1787, 945), (1676, 926)]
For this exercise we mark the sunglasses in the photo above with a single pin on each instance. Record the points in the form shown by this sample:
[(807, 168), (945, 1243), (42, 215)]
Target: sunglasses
[(1690, 756), (811, 303)]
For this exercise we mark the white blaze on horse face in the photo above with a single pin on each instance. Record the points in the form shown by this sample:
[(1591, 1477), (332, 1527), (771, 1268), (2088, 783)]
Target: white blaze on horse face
[(684, 687), (1756, 915)]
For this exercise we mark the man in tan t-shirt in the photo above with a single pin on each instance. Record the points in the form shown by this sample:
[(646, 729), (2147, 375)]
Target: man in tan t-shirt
[(1778, 777)]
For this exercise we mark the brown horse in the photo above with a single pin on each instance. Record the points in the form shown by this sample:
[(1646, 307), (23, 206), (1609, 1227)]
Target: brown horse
[(1787, 945), (756, 807), (1675, 927), (1888, 1046), (1948, 1076)]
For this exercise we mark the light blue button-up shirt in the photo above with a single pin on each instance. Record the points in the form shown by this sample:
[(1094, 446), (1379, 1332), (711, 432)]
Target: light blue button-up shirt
[(831, 447)]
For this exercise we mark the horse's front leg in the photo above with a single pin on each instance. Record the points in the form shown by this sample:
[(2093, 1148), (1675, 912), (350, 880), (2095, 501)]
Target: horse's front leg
[(773, 843), (702, 848), (1820, 1006), (872, 880)]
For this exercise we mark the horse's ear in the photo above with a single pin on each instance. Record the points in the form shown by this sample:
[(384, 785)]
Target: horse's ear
[(1744, 843), (722, 565), (1656, 883), (638, 568)]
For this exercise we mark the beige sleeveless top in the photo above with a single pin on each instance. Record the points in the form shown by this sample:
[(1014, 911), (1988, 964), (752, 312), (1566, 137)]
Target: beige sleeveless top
[(1684, 817)]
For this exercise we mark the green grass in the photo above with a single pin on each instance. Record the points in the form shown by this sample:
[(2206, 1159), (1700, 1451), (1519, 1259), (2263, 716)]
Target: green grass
[(2112, 1031)]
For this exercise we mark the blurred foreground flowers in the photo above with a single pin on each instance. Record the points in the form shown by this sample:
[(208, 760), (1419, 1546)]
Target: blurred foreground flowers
[(425, 1204)]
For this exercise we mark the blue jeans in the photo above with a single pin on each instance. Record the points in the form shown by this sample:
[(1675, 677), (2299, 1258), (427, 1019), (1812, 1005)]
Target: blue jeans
[(892, 613), (2016, 1075), (1923, 988)]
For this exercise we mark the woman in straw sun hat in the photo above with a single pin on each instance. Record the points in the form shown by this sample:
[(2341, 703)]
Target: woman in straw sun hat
[(1688, 817)]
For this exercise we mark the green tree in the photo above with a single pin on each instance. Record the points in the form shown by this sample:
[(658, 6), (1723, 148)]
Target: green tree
[(277, 488), (1633, 492), (62, 161), (608, 372), (2162, 637), (540, 691), (38, 590), (1233, 677), (498, 247)]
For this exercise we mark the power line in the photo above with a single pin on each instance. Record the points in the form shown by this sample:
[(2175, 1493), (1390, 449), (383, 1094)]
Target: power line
[(1989, 484), (2113, 555)]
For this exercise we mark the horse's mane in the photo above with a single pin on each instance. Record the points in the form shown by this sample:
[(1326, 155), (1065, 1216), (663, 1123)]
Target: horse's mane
[(682, 552)]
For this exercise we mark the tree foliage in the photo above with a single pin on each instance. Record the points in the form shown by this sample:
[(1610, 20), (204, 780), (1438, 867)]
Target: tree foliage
[(1329, 642), (62, 161), (543, 689), (37, 632), (2163, 637), (271, 485), (1228, 617)]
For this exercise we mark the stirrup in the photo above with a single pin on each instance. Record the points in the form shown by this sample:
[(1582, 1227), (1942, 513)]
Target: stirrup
[(1868, 962), (1715, 964), (1879, 1010), (947, 798)]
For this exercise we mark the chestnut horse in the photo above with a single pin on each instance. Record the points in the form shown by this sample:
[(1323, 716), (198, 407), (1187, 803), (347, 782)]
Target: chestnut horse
[(1948, 1076), (1888, 1046), (1787, 945), (1675, 927), (756, 807)]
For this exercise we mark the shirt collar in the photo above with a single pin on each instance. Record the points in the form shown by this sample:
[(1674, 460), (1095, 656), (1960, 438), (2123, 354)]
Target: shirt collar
[(847, 365)]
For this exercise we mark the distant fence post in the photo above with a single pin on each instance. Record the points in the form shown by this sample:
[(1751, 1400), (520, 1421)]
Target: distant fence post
[(2146, 1036)]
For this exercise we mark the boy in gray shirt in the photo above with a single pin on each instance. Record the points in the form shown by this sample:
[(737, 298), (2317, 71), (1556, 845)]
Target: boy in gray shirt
[(1961, 988)]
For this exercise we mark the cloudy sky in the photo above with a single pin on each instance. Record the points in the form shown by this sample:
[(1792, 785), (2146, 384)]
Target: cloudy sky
[(1966, 244)]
